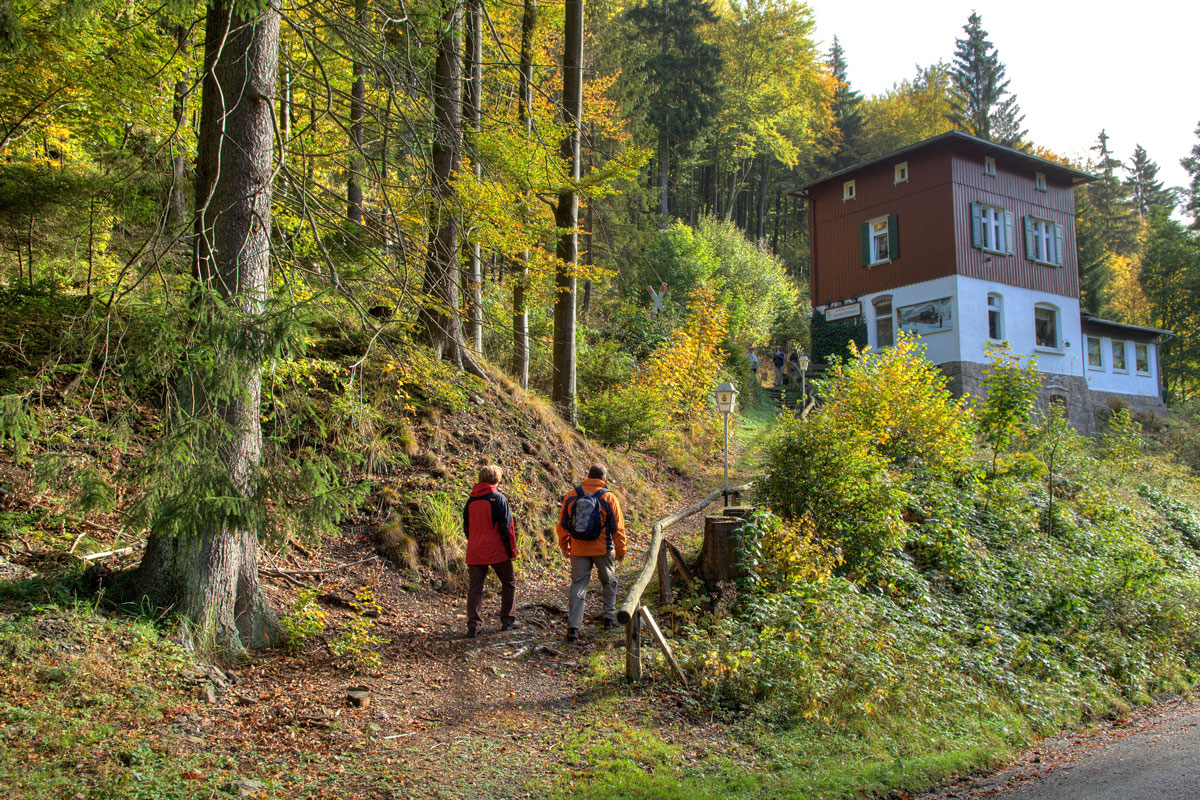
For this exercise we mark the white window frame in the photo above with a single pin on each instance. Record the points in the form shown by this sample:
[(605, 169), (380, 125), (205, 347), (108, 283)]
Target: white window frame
[(1044, 238), (1088, 341), (1146, 349), (873, 235), (848, 191), (1124, 368), (993, 224), (900, 173), (1056, 313), (989, 166), (997, 308), (889, 319), (1039, 181)]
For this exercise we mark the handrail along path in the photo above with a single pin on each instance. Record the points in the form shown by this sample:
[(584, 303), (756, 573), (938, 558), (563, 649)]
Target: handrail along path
[(632, 612)]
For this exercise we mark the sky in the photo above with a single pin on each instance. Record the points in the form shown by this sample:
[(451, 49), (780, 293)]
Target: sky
[(1076, 68)]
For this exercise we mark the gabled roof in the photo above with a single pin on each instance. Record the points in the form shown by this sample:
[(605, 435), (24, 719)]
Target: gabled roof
[(1123, 327), (1075, 176)]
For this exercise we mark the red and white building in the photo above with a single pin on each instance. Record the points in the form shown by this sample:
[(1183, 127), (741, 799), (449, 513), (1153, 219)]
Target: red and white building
[(964, 242)]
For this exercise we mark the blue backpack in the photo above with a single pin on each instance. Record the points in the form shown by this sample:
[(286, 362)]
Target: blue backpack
[(583, 517)]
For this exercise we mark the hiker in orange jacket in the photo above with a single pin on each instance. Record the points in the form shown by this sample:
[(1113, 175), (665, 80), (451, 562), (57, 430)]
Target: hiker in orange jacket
[(591, 532), (491, 542)]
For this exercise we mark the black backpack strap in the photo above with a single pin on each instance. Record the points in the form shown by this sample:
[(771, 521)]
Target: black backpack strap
[(610, 524)]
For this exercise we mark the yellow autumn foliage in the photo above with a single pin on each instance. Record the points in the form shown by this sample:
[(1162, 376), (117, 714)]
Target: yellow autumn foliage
[(685, 368)]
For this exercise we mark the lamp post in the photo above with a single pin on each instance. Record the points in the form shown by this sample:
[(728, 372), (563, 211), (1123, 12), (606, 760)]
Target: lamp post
[(803, 363), (725, 396)]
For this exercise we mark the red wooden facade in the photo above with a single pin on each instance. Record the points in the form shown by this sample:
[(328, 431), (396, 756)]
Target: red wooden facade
[(932, 208)]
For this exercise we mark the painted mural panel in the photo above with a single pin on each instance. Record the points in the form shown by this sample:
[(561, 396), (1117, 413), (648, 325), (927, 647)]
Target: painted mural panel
[(921, 319)]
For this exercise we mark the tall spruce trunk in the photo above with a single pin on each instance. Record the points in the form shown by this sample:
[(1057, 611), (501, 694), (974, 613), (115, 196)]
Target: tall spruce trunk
[(520, 365), (474, 109), (358, 101), (566, 214), (211, 577), (664, 172), (440, 319)]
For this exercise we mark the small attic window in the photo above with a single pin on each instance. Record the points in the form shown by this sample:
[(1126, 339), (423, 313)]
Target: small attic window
[(900, 173), (1039, 181), (848, 190), (989, 166)]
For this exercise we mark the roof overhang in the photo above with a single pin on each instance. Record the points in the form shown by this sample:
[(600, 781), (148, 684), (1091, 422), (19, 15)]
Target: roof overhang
[(963, 140), (1096, 324)]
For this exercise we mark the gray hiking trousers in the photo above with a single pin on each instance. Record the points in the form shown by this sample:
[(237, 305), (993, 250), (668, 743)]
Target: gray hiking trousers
[(581, 576)]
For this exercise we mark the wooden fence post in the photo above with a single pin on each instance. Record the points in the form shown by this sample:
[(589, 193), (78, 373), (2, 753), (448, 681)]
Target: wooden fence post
[(633, 648), (665, 595)]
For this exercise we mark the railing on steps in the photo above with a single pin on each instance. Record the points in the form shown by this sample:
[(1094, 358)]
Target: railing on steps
[(632, 613)]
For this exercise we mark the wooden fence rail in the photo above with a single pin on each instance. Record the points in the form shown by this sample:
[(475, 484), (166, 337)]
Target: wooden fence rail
[(632, 613)]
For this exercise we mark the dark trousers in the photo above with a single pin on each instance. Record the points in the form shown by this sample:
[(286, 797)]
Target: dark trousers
[(508, 591)]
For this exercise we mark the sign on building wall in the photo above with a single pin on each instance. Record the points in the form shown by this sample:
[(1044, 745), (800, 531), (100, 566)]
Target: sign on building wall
[(925, 318), (843, 312)]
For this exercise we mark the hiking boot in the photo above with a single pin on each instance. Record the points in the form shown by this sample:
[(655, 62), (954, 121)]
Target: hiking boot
[(471, 632), (609, 623), (572, 634), (511, 625)]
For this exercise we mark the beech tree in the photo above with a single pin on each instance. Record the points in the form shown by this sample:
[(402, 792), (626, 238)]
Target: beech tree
[(205, 564), (566, 213)]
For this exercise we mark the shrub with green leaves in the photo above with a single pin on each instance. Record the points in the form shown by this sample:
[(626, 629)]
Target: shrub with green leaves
[(624, 416)]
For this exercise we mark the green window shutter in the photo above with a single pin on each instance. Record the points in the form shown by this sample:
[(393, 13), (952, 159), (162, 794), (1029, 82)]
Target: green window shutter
[(893, 237), (864, 232), (1030, 244), (1010, 245), (976, 225), (1058, 245)]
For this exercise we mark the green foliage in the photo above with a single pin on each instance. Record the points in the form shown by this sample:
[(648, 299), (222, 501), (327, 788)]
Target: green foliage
[(833, 339), (17, 425), (354, 639), (1010, 390), (624, 416), (1061, 585), (603, 366), (306, 620)]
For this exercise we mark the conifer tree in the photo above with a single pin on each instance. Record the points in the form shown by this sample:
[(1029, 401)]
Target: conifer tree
[(1111, 199), (847, 110), (681, 73), (1192, 192), (982, 104), (204, 563), (1145, 191), (566, 213)]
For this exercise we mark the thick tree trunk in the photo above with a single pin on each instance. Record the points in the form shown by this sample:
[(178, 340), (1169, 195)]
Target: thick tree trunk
[(474, 109), (211, 575), (441, 321), (520, 365), (358, 101), (566, 214)]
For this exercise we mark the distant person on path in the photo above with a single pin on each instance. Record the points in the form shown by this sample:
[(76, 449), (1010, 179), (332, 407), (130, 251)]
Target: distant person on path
[(591, 532), (753, 362), (658, 298), (491, 542), (793, 367), (778, 360)]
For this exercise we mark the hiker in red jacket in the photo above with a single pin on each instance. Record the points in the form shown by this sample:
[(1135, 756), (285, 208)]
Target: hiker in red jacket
[(491, 542)]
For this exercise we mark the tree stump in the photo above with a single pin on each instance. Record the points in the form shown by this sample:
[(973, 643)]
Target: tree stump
[(720, 556)]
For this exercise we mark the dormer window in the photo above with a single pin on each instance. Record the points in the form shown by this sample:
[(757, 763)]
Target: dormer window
[(989, 166), (1039, 181), (900, 173), (848, 190)]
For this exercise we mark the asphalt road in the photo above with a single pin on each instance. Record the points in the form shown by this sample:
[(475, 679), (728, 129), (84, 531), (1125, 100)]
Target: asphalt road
[(1152, 755)]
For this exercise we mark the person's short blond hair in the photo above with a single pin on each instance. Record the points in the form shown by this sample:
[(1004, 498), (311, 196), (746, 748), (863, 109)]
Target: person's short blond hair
[(490, 473)]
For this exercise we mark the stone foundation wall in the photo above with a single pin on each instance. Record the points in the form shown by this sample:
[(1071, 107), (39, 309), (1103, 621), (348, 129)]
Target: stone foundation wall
[(1086, 410)]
